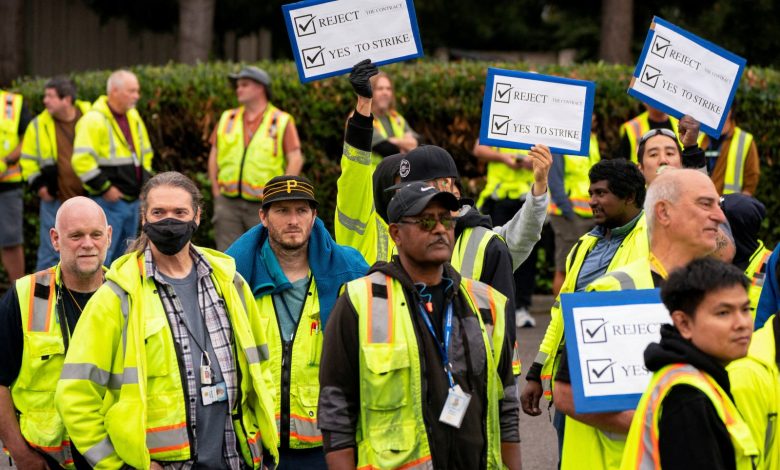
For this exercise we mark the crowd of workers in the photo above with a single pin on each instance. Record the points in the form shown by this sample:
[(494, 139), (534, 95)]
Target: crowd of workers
[(390, 343)]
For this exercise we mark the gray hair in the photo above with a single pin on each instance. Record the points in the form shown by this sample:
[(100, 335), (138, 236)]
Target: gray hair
[(117, 79), (666, 187)]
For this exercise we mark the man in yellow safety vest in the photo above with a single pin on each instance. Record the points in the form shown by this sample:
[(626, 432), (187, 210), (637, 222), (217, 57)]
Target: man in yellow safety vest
[(250, 145), (37, 318), (687, 417), (392, 133), (732, 159), (416, 367)]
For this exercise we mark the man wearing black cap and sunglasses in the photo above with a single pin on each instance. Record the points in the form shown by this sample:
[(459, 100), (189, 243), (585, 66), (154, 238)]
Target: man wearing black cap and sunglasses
[(250, 145), (416, 367)]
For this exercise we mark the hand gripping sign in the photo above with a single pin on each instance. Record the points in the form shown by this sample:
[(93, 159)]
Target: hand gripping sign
[(329, 36), (681, 73), (522, 109), (606, 337)]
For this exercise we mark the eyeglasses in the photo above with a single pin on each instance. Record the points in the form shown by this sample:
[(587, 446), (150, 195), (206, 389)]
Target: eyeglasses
[(655, 132), (428, 222)]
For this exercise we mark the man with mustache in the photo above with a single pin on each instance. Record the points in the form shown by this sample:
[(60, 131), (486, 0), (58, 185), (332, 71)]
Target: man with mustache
[(295, 270), (416, 365), (37, 318), (683, 214)]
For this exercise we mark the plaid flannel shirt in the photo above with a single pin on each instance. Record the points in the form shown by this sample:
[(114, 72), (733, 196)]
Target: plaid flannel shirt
[(212, 307)]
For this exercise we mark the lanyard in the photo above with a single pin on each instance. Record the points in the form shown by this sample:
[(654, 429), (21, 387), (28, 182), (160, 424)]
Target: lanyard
[(443, 348)]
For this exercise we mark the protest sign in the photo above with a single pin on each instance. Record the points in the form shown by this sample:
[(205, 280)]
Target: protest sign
[(606, 337), (681, 73), (328, 37), (521, 109)]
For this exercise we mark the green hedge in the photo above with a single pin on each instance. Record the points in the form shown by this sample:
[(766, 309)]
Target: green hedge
[(442, 101)]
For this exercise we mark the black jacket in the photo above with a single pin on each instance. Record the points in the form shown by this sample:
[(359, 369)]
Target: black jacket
[(339, 405)]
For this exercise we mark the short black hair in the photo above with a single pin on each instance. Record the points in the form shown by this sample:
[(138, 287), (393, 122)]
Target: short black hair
[(686, 287), (623, 178), (63, 86)]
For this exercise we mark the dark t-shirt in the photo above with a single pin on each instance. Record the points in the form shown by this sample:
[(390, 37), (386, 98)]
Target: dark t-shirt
[(12, 336), (209, 419)]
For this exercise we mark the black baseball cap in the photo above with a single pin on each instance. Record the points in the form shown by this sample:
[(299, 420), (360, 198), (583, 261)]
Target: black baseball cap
[(413, 198), (288, 188), (253, 73), (427, 162)]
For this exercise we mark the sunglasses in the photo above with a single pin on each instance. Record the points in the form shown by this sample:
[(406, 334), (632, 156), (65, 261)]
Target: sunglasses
[(428, 222), (655, 132)]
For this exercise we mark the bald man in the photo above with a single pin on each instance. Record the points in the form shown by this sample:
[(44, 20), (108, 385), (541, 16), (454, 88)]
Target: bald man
[(112, 156), (37, 319)]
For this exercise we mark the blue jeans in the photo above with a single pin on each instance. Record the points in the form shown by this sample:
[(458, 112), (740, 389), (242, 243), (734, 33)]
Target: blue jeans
[(559, 423), (302, 459), (47, 257), (123, 217)]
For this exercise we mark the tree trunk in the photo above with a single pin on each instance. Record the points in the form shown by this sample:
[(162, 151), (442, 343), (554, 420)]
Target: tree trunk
[(11, 41), (617, 29), (196, 29)]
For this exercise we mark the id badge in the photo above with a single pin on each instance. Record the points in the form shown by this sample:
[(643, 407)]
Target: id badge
[(220, 392), (207, 394), (455, 407), (205, 375)]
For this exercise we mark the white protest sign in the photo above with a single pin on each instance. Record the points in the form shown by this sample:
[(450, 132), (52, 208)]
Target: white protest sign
[(606, 336), (681, 73), (522, 109), (328, 37)]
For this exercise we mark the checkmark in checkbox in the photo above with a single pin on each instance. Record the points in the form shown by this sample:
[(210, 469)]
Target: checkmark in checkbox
[(502, 94), (313, 57), (500, 124), (650, 76), (594, 330), (600, 371), (660, 46), (304, 25)]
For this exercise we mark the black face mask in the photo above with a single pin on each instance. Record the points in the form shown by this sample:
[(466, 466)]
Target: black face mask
[(170, 235)]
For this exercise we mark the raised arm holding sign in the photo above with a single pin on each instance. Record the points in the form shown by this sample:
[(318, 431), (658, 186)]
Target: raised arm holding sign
[(329, 36), (681, 73)]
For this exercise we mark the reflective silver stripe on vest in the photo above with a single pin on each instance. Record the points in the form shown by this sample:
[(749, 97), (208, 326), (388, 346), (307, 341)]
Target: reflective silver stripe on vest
[(231, 119), (541, 357), (239, 283), (626, 283), (467, 258), (381, 240), (87, 150), (556, 304), (255, 448), (350, 223), (304, 430), (117, 161), (356, 155), (111, 143), (99, 451), (257, 354), (380, 310), (125, 307), (166, 437), (40, 307), (84, 177), (98, 376), (646, 447)]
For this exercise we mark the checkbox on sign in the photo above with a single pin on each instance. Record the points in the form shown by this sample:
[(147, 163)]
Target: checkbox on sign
[(304, 25), (650, 76), (499, 124), (660, 46), (600, 371), (503, 92), (594, 330), (313, 57)]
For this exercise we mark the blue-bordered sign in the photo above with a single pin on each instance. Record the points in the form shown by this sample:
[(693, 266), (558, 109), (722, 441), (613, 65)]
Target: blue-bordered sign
[(328, 37), (521, 109), (681, 73), (606, 336)]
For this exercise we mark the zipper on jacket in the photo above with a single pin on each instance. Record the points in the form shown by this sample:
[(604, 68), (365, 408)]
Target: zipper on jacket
[(284, 398), (241, 172)]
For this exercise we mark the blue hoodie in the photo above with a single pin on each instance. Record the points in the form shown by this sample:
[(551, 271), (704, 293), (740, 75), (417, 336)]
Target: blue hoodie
[(769, 302), (331, 265)]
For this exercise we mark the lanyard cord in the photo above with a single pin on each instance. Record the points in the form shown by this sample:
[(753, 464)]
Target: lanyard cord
[(443, 346)]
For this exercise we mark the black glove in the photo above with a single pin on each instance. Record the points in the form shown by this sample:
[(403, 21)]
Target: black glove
[(360, 77)]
